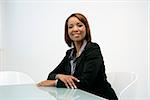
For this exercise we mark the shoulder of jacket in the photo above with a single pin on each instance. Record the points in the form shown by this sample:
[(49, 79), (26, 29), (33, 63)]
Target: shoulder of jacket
[(68, 51), (92, 50), (92, 45)]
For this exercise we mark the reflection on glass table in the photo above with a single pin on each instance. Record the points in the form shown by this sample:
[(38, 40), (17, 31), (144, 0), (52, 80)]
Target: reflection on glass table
[(70, 94), (32, 92)]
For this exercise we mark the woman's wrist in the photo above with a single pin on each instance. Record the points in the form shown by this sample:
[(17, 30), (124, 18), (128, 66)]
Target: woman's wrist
[(57, 76), (56, 82)]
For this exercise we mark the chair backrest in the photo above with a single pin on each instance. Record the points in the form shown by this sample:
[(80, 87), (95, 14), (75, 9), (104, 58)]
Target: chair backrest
[(14, 78), (121, 81)]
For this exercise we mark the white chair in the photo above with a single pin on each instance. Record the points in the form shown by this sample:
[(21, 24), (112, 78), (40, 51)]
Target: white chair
[(121, 81), (14, 78)]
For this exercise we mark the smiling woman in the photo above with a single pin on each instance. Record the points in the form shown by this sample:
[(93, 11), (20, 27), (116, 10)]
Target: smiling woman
[(83, 66)]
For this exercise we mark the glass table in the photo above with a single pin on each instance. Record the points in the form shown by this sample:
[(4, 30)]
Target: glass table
[(32, 92)]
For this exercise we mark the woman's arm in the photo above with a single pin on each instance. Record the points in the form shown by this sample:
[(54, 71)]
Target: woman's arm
[(51, 79), (58, 74), (60, 69)]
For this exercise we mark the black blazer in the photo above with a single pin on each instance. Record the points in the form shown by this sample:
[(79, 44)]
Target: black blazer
[(90, 70)]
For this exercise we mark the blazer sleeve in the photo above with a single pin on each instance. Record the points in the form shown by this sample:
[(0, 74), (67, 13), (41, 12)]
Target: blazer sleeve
[(93, 65), (60, 69)]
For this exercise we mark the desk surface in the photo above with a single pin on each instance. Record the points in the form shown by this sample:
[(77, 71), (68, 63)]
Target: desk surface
[(32, 92)]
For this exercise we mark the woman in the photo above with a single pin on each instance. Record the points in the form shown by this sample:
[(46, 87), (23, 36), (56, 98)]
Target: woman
[(83, 66)]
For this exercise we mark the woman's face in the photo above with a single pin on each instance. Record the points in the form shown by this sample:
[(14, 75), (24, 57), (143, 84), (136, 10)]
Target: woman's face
[(76, 29)]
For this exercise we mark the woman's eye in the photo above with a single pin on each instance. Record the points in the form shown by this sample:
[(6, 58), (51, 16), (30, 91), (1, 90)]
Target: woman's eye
[(80, 25), (70, 27)]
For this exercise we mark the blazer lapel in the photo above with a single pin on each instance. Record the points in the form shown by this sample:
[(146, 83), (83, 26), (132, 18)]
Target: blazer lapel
[(79, 61), (82, 55)]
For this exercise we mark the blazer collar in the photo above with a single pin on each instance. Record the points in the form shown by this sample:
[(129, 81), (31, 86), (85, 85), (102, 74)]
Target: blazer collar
[(81, 49)]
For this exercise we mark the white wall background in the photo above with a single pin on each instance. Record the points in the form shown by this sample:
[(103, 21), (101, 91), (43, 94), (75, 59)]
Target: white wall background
[(0, 26), (2, 10), (0, 34), (33, 36)]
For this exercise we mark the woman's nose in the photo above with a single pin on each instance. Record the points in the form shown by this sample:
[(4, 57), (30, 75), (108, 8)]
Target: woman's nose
[(75, 28)]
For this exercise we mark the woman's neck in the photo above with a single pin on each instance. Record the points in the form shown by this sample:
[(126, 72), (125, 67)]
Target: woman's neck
[(78, 45)]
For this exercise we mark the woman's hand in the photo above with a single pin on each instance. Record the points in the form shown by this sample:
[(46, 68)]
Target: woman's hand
[(68, 80), (47, 83)]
